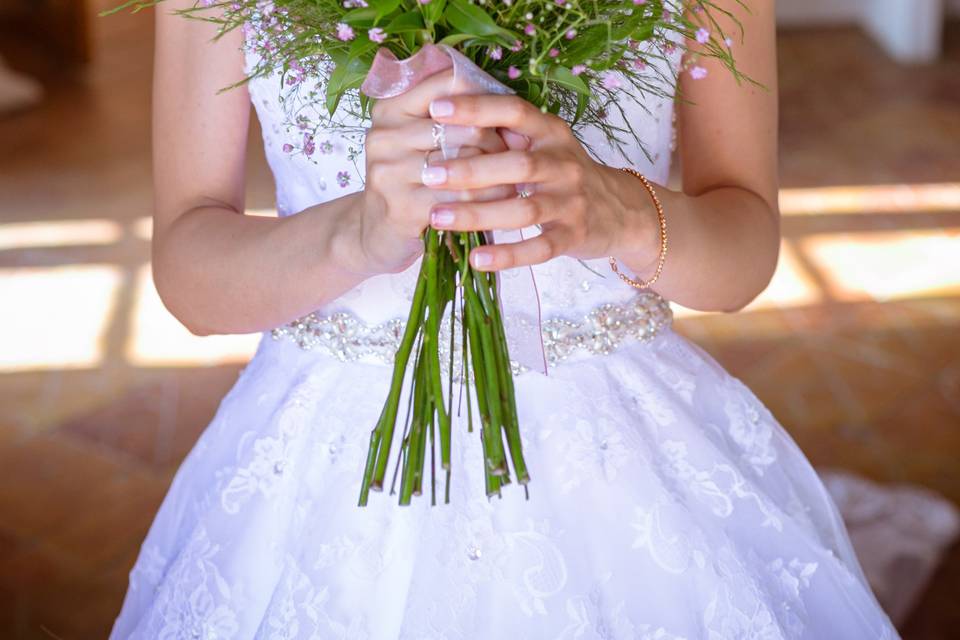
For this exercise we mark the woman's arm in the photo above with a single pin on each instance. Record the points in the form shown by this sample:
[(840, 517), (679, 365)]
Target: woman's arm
[(723, 228), (220, 271), (216, 269)]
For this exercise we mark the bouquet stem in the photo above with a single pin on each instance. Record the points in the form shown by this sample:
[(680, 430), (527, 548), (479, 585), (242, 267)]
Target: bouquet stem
[(444, 271)]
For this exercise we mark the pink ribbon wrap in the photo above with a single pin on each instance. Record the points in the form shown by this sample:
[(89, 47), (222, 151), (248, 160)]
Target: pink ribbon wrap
[(390, 77)]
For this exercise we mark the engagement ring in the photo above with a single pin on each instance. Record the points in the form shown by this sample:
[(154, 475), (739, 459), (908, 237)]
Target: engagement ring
[(439, 136)]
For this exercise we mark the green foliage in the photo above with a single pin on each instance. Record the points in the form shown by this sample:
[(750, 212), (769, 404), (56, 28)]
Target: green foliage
[(562, 63)]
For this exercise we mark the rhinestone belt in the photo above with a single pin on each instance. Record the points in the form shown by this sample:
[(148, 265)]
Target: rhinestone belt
[(349, 339)]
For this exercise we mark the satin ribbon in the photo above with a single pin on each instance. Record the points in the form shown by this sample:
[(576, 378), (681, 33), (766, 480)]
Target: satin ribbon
[(390, 77)]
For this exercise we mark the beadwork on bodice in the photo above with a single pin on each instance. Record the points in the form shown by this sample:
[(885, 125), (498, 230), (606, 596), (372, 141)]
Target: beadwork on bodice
[(316, 158)]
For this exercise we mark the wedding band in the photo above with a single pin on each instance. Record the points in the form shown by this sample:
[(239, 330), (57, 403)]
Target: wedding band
[(523, 193), (439, 135), (426, 158)]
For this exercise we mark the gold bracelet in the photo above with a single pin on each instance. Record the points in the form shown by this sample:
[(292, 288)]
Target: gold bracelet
[(662, 219)]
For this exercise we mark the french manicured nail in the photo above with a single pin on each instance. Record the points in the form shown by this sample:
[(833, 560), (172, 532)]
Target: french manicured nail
[(433, 175), (441, 217), (441, 108), (481, 259)]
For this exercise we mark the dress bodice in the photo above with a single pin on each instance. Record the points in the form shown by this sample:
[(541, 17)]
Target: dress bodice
[(313, 163)]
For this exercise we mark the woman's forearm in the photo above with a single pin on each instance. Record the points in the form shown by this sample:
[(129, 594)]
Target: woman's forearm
[(219, 271), (722, 245)]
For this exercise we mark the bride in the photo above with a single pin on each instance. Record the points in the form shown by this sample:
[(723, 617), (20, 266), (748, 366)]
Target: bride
[(666, 501)]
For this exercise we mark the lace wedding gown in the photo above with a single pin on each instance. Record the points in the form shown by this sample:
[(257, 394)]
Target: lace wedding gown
[(666, 502)]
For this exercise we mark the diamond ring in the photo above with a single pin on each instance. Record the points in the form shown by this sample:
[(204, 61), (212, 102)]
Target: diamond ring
[(439, 136)]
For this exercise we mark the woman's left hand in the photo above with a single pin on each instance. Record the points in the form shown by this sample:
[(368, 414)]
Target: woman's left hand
[(584, 209)]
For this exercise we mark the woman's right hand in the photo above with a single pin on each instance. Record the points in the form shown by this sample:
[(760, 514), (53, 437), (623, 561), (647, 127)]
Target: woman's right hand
[(395, 205)]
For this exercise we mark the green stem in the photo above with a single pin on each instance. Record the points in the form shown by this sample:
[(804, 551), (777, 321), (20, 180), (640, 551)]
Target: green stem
[(378, 454)]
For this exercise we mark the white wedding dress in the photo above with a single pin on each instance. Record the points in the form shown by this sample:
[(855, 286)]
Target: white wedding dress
[(666, 502)]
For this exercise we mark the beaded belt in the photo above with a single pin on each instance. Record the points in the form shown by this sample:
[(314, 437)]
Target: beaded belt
[(347, 338)]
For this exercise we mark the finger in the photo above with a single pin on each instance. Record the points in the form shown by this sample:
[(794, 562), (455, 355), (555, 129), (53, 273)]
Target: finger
[(496, 257), (511, 213), (514, 140), (485, 194), (413, 218), (384, 143), (409, 170), (415, 102), (507, 112), (508, 167)]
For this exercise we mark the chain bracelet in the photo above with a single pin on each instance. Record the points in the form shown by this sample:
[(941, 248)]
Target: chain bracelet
[(662, 220)]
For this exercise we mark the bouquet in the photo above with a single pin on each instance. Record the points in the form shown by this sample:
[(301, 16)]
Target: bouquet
[(575, 58)]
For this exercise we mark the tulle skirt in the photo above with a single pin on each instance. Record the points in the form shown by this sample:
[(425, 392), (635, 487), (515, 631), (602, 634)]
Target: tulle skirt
[(666, 502)]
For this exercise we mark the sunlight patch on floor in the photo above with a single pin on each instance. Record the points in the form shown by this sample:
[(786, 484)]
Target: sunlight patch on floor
[(897, 198), (58, 233), (884, 265), (56, 317)]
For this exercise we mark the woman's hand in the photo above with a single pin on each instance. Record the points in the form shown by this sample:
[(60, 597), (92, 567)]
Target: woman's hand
[(584, 209), (395, 205)]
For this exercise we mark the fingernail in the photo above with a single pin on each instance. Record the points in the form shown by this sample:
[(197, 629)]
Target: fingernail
[(441, 108), (481, 259), (433, 175), (441, 217)]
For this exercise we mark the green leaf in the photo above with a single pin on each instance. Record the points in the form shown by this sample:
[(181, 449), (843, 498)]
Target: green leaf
[(564, 77), (360, 47), (591, 42), (586, 45), (633, 29), (383, 7), (364, 17), (582, 102), (533, 93), (405, 22), (455, 38), (344, 78), (433, 10), (471, 19), (350, 70)]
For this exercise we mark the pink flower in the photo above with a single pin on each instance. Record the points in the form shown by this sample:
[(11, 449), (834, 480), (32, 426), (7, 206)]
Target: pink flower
[(639, 64), (570, 34), (424, 1), (639, 2), (517, 46), (377, 35), (578, 69), (610, 81), (344, 32), (529, 29), (728, 41), (513, 73), (698, 73), (560, 3), (703, 36), (495, 53), (287, 148), (553, 53)]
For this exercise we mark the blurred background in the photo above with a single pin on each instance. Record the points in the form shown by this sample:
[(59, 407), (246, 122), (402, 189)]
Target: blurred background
[(855, 346)]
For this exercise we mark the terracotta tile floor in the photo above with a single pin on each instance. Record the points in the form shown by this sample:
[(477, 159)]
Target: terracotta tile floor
[(854, 346)]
